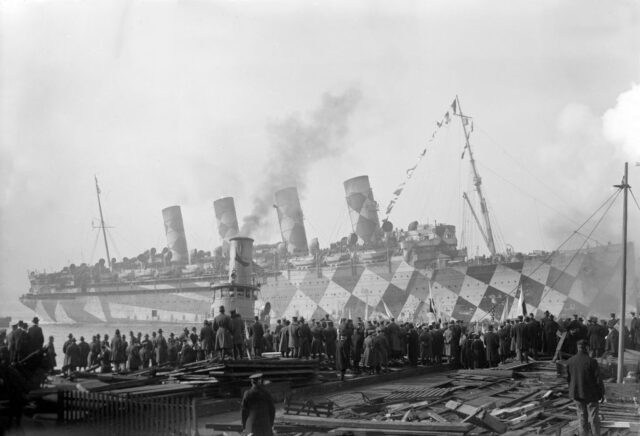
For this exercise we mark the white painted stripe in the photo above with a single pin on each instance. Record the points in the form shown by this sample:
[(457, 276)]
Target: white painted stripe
[(62, 316), (93, 307)]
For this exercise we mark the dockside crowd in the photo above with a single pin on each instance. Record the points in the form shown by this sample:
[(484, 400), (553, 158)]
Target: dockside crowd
[(369, 346)]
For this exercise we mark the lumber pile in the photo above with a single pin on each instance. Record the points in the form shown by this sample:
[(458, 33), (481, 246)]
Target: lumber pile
[(203, 378), (517, 399)]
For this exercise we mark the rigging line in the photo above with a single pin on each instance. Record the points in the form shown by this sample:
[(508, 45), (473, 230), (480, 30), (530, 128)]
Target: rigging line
[(115, 246), (93, 250), (484, 132), (577, 252), (634, 198), (572, 258), (527, 194)]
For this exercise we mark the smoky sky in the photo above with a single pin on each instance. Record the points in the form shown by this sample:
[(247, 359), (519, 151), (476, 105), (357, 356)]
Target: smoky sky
[(296, 144)]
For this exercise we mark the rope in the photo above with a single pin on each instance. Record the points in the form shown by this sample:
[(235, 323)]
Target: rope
[(611, 199)]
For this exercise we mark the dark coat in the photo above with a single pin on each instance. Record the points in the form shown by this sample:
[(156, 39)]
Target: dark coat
[(492, 342), (330, 338), (84, 353), (256, 332), (342, 355), (583, 375), (294, 340), (258, 411), (36, 338), (161, 350), (207, 337), (237, 330), (284, 339), (520, 335)]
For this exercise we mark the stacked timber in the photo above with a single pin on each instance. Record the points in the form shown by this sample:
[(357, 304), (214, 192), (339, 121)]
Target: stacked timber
[(518, 399)]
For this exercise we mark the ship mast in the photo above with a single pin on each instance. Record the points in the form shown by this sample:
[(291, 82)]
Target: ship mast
[(477, 181), (621, 337), (104, 232)]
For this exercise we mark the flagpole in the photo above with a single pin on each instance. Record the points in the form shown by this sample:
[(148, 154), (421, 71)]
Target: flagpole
[(623, 303)]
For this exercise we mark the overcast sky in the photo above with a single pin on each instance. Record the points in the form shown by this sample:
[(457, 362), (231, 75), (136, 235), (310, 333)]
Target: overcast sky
[(182, 102)]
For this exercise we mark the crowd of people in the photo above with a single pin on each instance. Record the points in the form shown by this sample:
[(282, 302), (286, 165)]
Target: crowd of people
[(358, 345)]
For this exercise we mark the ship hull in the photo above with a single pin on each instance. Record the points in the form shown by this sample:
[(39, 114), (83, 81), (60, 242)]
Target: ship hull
[(567, 283), (187, 301)]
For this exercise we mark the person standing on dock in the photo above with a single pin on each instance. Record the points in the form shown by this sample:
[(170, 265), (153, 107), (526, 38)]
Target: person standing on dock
[(256, 333), (586, 388), (258, 409), (36, 338), (222, 328), (238, 333), (207, 339)]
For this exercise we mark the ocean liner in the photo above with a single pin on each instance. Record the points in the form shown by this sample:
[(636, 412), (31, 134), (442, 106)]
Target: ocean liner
[(418, 273)]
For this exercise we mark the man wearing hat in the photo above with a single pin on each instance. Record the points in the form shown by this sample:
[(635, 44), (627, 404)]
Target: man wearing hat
[(258, 410), (222, 329), (585, 388), (36, 338)]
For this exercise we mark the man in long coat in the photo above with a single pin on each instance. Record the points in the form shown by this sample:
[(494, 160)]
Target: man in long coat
[(392, 333), (238, 332), (161, 349), (294, 340), (304, 340), (258, 409), (520, 336), (342, 354), (492, 343), (256, 333), (207, 338), (370, 357), (284, 339), (550, 335), (586, 388), (222, 328), (36, 338), (316, 341), (330, 337)]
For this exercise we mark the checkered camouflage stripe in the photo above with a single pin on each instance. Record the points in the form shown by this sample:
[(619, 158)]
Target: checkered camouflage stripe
[(584, 283)]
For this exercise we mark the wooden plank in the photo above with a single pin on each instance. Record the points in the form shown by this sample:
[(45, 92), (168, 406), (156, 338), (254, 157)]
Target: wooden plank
[(477, 416), (559, 346), (323, 424), (368, 431)]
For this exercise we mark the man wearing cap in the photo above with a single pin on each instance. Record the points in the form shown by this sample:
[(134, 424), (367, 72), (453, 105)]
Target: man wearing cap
[(585, 388), (258, 410), (36, 338)]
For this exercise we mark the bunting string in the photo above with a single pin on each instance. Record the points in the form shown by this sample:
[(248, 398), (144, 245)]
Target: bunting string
[(446, 119)]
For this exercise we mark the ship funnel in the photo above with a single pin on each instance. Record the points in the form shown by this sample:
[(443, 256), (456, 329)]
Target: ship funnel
[(176, 239), (225, 210), (363, 210), (291, 223), (241, 260)]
